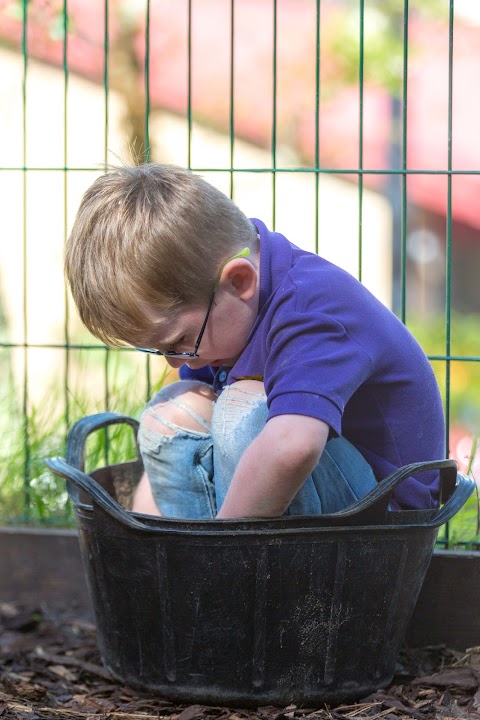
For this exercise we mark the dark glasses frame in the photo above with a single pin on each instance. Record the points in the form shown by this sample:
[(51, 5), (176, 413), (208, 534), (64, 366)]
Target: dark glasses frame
[(151, 351), (169, 353)]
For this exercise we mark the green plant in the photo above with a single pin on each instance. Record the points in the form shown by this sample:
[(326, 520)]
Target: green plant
[(464, 375), (463, 385), (29, 493), (464, 528)]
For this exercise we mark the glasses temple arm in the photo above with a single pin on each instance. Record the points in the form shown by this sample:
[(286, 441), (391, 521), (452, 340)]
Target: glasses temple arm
[(202, 330)]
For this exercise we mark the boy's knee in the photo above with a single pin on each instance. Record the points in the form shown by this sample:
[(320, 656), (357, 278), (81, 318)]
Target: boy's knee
[(249, 386), (243, 395), (242, 399), (186, 404)]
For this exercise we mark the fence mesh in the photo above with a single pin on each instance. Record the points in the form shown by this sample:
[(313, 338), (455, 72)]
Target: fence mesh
[(119, 57)]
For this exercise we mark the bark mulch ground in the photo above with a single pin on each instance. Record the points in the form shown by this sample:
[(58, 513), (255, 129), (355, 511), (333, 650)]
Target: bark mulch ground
[(50, 669)]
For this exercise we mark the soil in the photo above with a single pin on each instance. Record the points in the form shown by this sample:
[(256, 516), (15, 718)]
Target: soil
[(50, 668)]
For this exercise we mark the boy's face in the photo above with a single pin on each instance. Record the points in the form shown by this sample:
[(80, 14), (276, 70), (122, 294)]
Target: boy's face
[(225, 336)]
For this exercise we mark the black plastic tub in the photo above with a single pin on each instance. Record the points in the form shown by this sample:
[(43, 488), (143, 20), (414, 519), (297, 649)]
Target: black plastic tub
[(308, 610)]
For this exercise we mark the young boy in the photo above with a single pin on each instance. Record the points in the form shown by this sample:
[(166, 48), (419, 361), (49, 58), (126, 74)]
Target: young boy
[(299, 390)]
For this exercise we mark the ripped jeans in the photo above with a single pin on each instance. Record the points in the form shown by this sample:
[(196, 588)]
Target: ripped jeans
[(190, 471)]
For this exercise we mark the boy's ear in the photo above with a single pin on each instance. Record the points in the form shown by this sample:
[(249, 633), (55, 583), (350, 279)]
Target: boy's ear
[(239, 277)]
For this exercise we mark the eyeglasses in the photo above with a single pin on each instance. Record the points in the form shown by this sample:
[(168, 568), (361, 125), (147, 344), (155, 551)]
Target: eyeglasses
[(152, 351)]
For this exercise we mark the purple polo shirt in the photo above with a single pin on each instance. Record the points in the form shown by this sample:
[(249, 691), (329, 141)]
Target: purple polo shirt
[(327, 348)]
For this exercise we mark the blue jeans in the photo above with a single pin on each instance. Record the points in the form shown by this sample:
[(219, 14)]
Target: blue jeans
[(190, 471)]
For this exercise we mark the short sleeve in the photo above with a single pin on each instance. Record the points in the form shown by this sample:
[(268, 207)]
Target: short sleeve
[(313, 364)]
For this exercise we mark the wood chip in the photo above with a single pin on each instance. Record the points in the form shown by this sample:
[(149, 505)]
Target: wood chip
[(191, 712), (62, 672), (463, 678), (73, 662)]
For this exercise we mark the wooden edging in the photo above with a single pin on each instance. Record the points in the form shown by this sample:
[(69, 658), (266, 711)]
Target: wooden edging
[(44, 567), (447, 608)]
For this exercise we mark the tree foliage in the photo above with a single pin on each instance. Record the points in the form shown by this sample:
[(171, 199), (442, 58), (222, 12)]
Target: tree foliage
[(372, 32)]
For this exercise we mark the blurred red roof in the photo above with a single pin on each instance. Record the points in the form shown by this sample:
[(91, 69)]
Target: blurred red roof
[(428, 83)]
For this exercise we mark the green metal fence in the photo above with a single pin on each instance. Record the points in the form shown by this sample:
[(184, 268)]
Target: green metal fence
[(34, 427)]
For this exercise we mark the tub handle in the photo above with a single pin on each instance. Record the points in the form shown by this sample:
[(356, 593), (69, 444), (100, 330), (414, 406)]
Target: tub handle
[(455, 489), (463, 489), (371, 508), (78, 434), (99, 496), (77, 438)]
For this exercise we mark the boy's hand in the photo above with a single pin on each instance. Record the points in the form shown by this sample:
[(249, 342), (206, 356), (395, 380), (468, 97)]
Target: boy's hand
[(275, 466)]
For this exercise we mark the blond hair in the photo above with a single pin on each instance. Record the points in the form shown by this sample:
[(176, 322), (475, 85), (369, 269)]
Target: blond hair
[(146, 240)]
